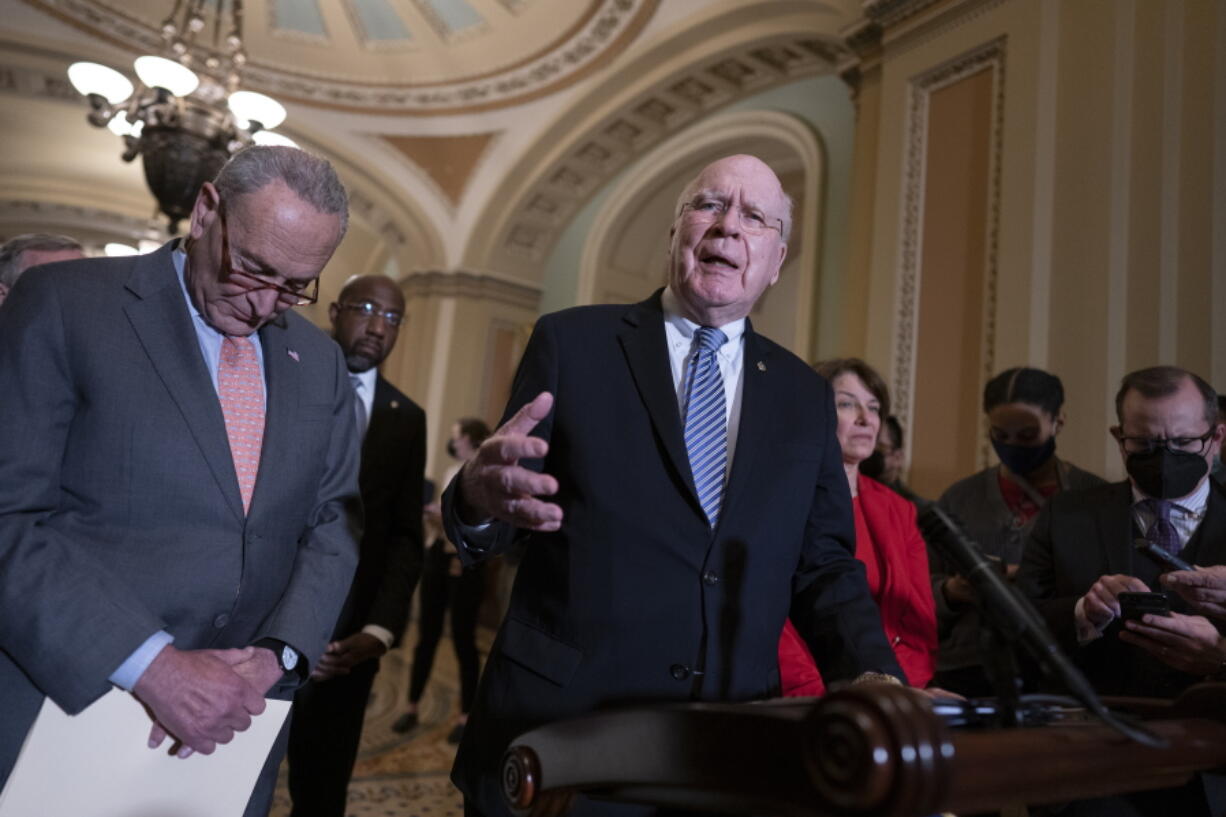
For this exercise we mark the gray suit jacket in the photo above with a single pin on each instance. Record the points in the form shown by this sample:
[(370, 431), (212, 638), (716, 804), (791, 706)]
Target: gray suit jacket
[(120, 511)]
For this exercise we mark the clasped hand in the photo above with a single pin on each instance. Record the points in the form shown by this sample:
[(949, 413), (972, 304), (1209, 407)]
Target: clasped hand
[(203, 697), (493, 485)]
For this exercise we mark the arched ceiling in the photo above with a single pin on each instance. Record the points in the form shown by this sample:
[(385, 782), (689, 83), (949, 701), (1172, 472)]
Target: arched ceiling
[(395, 56)]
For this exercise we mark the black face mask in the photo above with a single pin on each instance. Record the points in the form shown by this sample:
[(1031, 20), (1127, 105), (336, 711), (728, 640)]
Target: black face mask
[(1165, 474), (1025, 459), (874, 466), (451, 449)]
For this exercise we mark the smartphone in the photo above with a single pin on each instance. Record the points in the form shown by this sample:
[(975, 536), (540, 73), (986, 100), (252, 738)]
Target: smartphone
[(1135, 605)]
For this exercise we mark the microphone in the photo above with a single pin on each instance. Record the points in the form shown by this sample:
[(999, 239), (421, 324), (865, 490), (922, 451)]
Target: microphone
[(1014, 619)]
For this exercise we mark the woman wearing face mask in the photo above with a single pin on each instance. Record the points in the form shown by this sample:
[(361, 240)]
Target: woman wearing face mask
[(997, 507), (887, 540)]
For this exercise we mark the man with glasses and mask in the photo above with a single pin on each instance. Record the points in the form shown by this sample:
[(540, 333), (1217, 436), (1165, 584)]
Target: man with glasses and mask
[(327, 721), (1083, 554), (681, 490), (179, 499)]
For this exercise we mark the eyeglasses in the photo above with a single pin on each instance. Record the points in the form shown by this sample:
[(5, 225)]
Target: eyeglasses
[(368, 309), (293, 293), (1187, 445), (708, 210)]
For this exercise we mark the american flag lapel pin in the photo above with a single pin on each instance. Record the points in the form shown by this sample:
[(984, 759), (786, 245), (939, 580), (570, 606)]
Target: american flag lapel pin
[(293, 355)]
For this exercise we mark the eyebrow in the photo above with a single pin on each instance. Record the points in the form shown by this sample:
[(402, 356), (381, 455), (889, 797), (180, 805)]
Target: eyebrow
[(854, 397)]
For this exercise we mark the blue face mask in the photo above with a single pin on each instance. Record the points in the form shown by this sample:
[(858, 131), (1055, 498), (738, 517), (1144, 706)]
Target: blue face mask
[(1025, 459)]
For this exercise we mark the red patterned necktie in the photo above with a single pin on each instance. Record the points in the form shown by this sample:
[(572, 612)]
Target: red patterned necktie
[(242, 405)]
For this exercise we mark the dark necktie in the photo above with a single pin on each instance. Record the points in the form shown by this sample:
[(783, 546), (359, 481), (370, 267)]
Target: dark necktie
[(706, 426), (1162, 530)]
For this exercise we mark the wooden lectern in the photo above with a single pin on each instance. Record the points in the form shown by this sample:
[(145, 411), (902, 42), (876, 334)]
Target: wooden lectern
[(873, 749)]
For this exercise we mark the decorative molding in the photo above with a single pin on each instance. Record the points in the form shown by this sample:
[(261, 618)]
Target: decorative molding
[(472, 286), (56, 216), (39, 84), (989, 57), (649, 119), (601, 34), (886, 13)]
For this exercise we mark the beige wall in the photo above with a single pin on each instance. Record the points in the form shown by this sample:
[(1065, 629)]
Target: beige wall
[(1106, 169)]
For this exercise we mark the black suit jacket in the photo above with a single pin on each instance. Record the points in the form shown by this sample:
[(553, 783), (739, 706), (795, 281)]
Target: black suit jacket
[(635, 599), (1082, 535), (393, 470)]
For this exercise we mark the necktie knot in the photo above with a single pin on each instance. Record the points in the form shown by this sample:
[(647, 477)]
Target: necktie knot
[(709, 339), (1160, 508), (356, 381)]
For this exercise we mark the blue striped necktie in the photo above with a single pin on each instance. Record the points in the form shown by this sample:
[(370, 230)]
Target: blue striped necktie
[(706, 426)]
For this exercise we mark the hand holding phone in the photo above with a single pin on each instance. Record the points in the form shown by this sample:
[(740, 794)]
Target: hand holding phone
[(1135, 605)]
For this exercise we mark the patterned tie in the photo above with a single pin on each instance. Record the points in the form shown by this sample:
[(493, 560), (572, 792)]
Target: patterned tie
[(359, 406), (242, 404), (1162, 531), (706, 426)]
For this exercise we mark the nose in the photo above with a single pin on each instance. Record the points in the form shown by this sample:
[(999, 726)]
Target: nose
[(264, 301), (728, 222)]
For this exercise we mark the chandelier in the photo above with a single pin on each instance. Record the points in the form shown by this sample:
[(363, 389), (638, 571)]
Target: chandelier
[(186, 115)]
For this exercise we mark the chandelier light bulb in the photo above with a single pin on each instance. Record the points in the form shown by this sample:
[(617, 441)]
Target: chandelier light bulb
[(272, 138), (92, 78), (250, 106), (120, 126), (159, 72)]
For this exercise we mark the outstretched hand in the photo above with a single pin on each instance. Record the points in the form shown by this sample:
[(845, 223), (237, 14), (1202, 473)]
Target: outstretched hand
[(493, 485), (1204, 589)]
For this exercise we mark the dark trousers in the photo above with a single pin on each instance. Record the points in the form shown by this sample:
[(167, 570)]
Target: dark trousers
[(325, 734), (439, 591)]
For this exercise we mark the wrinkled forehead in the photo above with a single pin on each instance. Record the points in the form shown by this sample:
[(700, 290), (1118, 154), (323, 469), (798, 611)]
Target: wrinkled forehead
[(746, 178)]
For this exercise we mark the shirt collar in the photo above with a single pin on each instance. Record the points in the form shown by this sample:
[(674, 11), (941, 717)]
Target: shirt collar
[(1194, 504), (686, 327), (367, 379)]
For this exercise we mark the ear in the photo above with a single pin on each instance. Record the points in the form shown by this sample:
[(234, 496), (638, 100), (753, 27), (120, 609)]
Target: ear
[(783, 253), (204, 210), (1059, 424), (333, 312), (1116, 432)]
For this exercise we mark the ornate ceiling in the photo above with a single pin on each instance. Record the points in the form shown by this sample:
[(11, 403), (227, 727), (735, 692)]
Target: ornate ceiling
[(397, 56)]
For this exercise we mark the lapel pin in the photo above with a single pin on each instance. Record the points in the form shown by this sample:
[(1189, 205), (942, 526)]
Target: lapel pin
[(761, 366), (294, 355), (395, 404)]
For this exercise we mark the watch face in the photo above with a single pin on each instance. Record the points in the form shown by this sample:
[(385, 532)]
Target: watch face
[(289, 657)]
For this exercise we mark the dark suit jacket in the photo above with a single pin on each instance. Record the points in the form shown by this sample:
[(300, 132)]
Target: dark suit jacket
[(1082, 535), (393, 470), (120, 511), (635, 599)]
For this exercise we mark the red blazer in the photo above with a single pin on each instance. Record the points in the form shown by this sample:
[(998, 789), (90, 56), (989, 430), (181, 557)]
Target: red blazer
[(908, 613)]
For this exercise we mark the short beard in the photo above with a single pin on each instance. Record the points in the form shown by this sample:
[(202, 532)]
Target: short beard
[(360, 363)]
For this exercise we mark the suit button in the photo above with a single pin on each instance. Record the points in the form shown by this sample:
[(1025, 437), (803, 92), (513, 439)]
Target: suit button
[(221, 621), (709, 578), (679, 671)]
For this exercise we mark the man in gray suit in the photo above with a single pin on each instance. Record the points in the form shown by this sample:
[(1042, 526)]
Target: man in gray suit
[(178, 472)]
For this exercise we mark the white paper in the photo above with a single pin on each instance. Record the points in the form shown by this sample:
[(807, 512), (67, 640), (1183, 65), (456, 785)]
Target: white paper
[(99, 764)]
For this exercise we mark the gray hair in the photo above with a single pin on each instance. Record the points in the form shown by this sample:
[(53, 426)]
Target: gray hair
[(11, 252), (311, 177)]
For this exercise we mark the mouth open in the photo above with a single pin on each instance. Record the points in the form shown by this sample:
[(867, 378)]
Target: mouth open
[(714, 259)]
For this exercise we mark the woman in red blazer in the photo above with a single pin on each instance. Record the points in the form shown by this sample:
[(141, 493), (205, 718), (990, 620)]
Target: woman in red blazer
[(887, 540)]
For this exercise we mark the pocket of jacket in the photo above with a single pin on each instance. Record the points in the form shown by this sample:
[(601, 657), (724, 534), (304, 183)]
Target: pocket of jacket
[(538, 651)]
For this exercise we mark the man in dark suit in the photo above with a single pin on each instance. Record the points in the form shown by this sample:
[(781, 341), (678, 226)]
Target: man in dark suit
[(328, 711), (1081, 554), (698, 497), (178, 483)]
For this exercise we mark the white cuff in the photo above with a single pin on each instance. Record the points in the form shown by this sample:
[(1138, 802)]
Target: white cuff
[(381, 633), (1086, 632)]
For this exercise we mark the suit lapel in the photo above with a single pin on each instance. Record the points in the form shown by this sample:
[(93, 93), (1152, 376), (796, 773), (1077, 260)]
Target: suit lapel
[(646, 350), (164, 326), (282, 370), (1115, 530), (754, 419), (1210, 537)]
